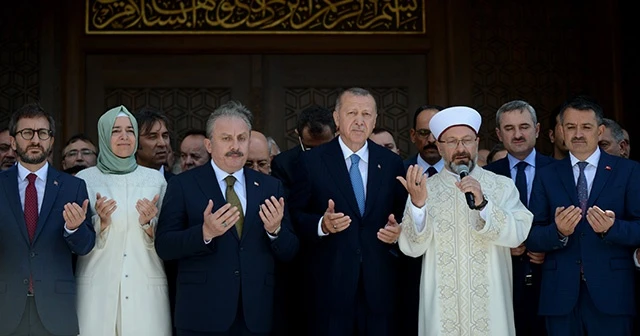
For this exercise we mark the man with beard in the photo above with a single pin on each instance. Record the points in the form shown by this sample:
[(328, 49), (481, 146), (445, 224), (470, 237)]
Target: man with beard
[(154, 141), (7, 155), (79, 151), (44, 223), (517, 127), (464, 229), (428, 156), (587, 219)]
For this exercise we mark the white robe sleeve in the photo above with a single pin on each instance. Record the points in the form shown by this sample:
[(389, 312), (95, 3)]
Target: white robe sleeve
[(507, 220), (101, 236), (416, 234)]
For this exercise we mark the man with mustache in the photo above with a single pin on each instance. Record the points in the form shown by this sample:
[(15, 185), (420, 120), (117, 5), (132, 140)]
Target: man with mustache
[(7, 155), (345, 202), (79, 151), (44, 223), (226, 225), (154, 141), (464, 229), (518, 128), (587, 219)]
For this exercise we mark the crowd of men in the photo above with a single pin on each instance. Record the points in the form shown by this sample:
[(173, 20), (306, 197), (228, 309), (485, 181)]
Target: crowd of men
[(340, 236)]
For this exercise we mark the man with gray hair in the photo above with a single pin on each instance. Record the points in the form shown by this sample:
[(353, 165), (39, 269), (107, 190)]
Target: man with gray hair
[(226, 225), (612, 139)]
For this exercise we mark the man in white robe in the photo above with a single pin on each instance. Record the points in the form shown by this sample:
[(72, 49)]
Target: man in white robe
[(466, 286)]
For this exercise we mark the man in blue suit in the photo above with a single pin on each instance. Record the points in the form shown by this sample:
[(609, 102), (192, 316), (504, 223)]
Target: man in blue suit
[(518, 129), (346, 203), (42, 223), (225, 225), (587, 219)]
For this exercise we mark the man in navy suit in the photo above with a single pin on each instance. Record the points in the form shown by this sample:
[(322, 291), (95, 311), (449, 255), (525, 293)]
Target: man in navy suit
[(587, 219), (226, 225), (518, 129), (346, 202), (43, 222), (293, 307)]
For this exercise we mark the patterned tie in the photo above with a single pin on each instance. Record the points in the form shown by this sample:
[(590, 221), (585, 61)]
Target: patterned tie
[(521, 182), (431, 171), (583, 191), (232, 198), (356, 182), (31, 213)]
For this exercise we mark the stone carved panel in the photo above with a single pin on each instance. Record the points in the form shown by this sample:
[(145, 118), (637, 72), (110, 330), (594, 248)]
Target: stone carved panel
[(392, 110), (186, 108), (19, 60)]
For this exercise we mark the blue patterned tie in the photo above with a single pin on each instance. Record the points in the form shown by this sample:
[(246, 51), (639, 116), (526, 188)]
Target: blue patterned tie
[(521, 182), (356, 182), (583, 191)]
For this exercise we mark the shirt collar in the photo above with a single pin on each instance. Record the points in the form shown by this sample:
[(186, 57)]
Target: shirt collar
[(161, 169), (221, 174), (530, 159), (24, 172), (439, 166), (363, 152), (592, 160)]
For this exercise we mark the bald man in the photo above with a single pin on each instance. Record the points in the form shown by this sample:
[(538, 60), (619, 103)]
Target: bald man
[(259, 158)]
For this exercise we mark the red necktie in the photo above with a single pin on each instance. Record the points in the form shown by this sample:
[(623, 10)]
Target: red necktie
[(31, 212)]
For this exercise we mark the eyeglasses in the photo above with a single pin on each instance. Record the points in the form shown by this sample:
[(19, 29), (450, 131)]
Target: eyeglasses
[(83, 152), (29, 133), (423, 133), (453, 143), (262, 164)]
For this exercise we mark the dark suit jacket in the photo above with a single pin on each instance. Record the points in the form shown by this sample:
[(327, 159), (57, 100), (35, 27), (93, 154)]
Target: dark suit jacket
[(410, 161), (168, 175), (606, 260), (47, 259), (213, 277), (341, 259), (284, 165)]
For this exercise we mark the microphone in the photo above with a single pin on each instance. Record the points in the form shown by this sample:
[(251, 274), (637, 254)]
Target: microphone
[(463, 171)]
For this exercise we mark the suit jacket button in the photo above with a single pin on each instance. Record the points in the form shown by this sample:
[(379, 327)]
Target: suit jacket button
[(236, 273), (25, 281), (32, 254)]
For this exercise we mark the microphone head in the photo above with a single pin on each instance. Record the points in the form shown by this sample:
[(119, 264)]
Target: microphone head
[(462, 169)]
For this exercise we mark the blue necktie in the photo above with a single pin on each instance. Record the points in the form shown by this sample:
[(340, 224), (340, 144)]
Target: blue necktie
[(356, 182), (583, 191), (431, 171), (521, 182)]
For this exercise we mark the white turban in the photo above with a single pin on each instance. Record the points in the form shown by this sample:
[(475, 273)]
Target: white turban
[(454, 116)]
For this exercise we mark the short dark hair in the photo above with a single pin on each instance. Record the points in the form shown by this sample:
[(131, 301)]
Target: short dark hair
[(30, 110), (496, 148), (194, 132), (614, 127), (422, 108), (316, 118), (553, 117), (147, 116), (378, 130), (4, 128), (78, 137), (582, 103)]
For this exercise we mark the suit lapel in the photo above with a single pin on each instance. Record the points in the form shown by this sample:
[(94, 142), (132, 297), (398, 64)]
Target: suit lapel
[(565, 172), (10, 183), (374, 177), (334, 160), (504, 166), (50, 195), (208, 183), (603, 172), (252, 190)]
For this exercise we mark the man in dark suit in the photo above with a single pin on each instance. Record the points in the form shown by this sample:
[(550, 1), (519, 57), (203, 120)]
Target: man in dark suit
[(587, 219), (428, 155), (225, 225), (346, 202), (518, 129), (293, 308), (43, 223)]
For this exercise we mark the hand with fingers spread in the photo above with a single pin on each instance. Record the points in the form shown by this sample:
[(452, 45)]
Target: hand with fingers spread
[(600, 220), (217, 223), (147, 209), (390, 232), (271, 213), (416, 184), (74, 214), (104, 209), (567, 219), (333, 222)]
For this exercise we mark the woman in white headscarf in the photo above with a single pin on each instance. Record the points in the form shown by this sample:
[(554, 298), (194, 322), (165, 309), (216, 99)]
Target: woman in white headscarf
[(122, 287)]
